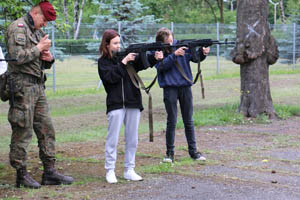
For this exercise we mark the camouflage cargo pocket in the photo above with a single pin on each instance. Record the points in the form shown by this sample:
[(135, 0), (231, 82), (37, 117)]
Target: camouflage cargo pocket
[(19, 116), (18, 85)]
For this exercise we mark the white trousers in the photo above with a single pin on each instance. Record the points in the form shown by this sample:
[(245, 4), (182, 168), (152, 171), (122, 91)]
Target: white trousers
[(130, 118)]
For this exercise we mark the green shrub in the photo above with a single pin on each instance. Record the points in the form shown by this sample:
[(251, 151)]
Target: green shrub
[(74, 47)]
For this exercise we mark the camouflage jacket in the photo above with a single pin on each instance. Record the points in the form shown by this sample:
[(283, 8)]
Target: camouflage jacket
[(21, 43)]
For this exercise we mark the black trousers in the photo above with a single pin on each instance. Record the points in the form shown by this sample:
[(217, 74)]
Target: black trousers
[(185, 97)]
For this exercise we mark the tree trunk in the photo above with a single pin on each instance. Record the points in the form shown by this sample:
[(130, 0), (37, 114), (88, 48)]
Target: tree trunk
[(220, 4), (95, 37), (282, 15), (255, 50), (76, 11), (79, 21), (66, 17)]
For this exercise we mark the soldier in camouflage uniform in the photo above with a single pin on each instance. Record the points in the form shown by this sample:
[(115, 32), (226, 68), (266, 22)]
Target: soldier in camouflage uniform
[(28, 104)]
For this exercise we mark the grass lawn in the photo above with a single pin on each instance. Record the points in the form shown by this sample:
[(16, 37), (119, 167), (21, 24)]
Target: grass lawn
[(226, 138), (78, 106)]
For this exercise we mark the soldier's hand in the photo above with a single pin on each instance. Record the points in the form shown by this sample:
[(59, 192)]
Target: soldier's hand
[(44, 44), (46, 56)]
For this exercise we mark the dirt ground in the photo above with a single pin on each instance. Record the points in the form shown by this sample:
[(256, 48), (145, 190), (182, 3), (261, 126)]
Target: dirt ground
[(254, 161)]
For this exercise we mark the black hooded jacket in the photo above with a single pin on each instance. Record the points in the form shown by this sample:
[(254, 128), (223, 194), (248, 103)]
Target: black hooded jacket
[(121, 92)]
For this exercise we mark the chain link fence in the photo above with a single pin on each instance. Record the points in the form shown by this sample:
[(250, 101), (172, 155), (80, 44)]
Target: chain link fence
[(287, 37), (87, 44)]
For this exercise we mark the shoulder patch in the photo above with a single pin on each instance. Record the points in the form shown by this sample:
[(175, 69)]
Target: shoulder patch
[(20, 25), (20, 39)]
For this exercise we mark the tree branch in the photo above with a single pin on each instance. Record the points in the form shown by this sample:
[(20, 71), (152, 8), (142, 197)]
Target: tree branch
[(212, 10), (29, 2)]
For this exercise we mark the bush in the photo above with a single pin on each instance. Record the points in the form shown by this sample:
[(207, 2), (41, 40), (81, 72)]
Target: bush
[(73, 47)]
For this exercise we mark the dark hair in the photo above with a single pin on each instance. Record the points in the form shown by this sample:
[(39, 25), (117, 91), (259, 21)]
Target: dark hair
[(108, 35), (162, 34)]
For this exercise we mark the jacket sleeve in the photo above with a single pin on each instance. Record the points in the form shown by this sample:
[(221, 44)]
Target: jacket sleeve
[(111, 73), (199, 53), (138, 63), (167, 63), (47, 65), (16, 41), (151, 59)]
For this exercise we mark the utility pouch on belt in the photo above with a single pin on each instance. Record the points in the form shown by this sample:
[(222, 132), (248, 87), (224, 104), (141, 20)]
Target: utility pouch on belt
[(4, 89), (14, 87)]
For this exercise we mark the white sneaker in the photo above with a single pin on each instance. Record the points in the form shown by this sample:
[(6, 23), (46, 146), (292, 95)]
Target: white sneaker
[(167, 160), (132, 176), (111, 176)]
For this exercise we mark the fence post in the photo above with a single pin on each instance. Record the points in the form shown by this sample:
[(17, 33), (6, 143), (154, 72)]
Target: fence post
[(53, 54), (218, 48), (121, 37), (172, 27), (119, 28), (294, 46)]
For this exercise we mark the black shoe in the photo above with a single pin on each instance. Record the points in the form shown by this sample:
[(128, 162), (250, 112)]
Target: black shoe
[(25, 180), (198, 156), (53, 177), (169, 158)]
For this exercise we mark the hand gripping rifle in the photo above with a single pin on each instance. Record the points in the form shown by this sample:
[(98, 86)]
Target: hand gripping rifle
[(143, 49), (193, 45)]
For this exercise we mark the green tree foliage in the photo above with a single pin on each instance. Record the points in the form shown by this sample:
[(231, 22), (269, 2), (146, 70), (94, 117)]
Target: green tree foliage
[(192, 11), (291, 7), (130, 13), (89, 10), (12, 10), (135, 13)]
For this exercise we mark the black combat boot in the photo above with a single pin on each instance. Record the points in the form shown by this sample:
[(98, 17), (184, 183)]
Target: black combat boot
[(25, 180), (52, 177)]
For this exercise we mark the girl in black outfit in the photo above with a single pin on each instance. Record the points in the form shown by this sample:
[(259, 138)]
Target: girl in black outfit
[(124, 103)]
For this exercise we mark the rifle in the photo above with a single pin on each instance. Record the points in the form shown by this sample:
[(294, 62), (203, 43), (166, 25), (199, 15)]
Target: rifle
[(143, 48), (8, 60)]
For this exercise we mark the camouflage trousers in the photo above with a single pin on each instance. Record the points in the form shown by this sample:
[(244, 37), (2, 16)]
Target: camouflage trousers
[(30, 112)]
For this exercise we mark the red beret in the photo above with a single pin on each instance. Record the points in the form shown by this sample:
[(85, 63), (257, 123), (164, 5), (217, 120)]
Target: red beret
[(48, 10)]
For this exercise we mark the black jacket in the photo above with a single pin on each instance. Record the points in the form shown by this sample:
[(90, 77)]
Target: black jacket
[(121, 93)]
